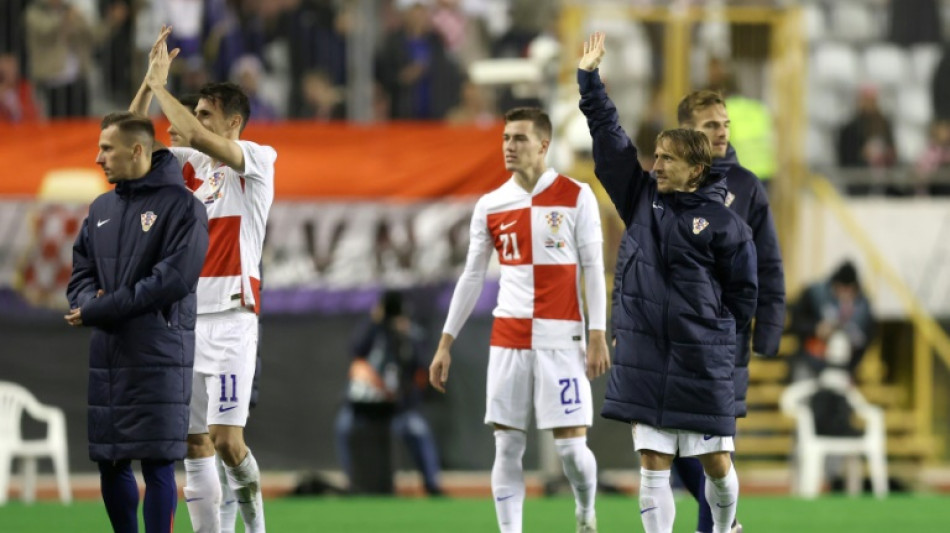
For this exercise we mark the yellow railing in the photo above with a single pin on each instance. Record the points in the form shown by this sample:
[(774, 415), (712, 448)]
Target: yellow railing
[(929, 337)]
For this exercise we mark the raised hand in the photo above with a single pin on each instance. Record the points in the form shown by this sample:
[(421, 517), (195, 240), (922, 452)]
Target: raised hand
[(593, 52), (160, 59)]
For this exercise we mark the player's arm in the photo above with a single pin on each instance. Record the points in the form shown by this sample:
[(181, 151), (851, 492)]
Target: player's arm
[(466, 294), (615, 156), (590, 248), (737, 271), (185, 123), (770, 312), (84, 281), (172, 278)]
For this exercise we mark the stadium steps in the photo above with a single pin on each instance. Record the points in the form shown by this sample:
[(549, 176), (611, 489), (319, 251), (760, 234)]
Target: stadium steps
[(904, 446)]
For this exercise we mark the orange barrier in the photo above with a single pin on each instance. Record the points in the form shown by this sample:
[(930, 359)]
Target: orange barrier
[(398, 161)]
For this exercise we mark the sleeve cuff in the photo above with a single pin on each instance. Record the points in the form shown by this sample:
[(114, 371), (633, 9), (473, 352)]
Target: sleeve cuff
[(588, 81)]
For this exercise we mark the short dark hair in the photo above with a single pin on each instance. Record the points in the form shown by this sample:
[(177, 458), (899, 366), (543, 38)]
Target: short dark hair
[(230, 97), (130, 124), (693, 146), (845, 274), (538, 118), (696, 101), (189, 100)]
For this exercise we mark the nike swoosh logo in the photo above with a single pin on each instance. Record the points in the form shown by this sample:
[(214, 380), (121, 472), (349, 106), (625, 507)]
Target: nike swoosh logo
[(647, 509), (569, 411), (229, 502), (101, 222), (707, 437), (222, 408), (724, 506), (503, 498), (503, 227), (189, 500)]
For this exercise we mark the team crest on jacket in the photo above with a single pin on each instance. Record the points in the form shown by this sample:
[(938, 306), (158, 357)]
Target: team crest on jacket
[(699, 224), (148, 218), (730, 198)]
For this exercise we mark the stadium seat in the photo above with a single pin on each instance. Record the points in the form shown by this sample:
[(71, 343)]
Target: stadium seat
[(828, 107), (812, 449), (855, 22), (911, 141), (836, 64), (819, 148), (814, 21), (14, 400), (923, 60), (914, 106), (885, 65)]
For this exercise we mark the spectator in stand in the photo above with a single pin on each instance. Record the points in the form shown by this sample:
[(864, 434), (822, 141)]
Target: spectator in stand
[(315, 31), (475, 107), (823, 308), (60, 42), (248, 72), (412, 66), (935, 159), (322, 100), (16, 94), (867, 140)]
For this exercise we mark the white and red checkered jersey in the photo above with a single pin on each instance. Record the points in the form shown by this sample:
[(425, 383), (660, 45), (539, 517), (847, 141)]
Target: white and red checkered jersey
[(540, 237), (237, 204)]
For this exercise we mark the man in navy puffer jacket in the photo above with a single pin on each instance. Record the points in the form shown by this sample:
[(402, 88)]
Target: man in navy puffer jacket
[(136, 263), (706, 111), (689, 285)]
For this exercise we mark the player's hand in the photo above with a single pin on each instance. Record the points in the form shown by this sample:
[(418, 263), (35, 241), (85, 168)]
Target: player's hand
[(593, 52), (439, 369), (74, 318), (160, 59), (598, 357)]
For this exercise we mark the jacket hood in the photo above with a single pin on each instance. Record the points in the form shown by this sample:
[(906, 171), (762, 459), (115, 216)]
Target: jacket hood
[(165, 172)]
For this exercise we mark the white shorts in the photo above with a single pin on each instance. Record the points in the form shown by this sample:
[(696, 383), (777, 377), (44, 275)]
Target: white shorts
[(673, 441), (225, 360), (554, 382)]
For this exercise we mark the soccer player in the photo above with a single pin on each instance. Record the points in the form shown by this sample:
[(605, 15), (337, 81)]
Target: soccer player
[(705, 111), (545, 228), (235, 181), (688, 286), (136, 263)]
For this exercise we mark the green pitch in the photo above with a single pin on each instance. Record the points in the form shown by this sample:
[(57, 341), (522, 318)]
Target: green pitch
[(615, 514)]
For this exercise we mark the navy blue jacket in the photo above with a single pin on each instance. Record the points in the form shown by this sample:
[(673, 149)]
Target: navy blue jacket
[(690, 282), (747, 197), (750, 201), (144, 244)]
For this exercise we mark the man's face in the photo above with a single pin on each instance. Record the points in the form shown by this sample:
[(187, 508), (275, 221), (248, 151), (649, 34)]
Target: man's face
[(523, 148), (116, 155), (714, 122), (211, 116), (672, 172)]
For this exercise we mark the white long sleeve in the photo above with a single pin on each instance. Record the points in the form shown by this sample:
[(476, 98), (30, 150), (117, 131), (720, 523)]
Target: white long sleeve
[(470, 283), (590, 251), (595, 284)]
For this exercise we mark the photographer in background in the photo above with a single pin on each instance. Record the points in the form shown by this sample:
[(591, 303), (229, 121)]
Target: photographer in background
[(386, 380)]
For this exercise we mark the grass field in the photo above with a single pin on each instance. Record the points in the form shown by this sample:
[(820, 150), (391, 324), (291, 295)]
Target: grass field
[(615, 513)]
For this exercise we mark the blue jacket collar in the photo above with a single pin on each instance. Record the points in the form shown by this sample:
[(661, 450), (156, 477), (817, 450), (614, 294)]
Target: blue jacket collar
[(165, 172), (724, 164)]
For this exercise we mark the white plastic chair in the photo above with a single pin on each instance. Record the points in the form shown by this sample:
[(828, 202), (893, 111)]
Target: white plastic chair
[(855, 22), (886, 65), (812, 449), (836, 65), (14, 400)]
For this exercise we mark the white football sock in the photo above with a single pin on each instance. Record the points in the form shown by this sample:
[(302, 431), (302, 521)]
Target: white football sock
[(507, 479), (657, 509), (202, 494), (580, 467), (229, 506), (245, 481), (723, 497)]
